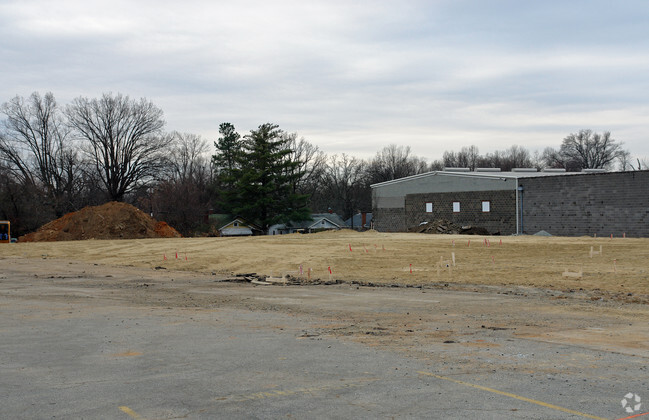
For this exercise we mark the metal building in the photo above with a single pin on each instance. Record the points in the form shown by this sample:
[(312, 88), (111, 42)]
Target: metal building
[(517, 202)]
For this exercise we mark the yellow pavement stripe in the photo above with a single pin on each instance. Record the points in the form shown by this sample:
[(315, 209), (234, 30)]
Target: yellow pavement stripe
[(131, 413), (518, 397)]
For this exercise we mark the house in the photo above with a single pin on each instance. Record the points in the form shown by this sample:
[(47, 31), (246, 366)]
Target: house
[(318, 222), (360, 221), (239, 227), (523, 201)]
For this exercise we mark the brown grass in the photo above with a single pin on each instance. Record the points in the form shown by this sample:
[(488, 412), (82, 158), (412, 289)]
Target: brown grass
[(380, 258)]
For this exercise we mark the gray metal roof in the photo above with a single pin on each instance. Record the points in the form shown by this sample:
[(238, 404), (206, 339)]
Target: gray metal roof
[(483, 175)]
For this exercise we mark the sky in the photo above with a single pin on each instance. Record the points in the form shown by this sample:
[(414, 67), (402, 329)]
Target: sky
[(349, 76)]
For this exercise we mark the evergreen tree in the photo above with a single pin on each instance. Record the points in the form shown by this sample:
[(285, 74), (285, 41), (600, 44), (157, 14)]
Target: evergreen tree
[(227, 149), (226, 165), (265, 179)]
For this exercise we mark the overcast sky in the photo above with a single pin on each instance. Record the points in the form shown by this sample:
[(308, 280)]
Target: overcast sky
[(349, 76)]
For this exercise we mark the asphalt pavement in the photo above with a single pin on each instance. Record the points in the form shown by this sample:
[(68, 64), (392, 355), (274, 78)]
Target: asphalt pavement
[(83, 356)]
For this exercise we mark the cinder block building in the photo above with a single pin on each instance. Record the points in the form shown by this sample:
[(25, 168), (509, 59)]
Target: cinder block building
[(522, 201)]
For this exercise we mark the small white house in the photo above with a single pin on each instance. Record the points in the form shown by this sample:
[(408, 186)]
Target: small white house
[(318, 222), (239, 227)]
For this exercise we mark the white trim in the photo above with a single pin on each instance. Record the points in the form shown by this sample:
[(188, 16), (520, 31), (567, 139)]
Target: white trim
[(315, 222)]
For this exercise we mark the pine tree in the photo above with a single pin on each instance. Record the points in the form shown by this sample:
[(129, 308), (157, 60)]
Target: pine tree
[(226, 165), (265, 179)]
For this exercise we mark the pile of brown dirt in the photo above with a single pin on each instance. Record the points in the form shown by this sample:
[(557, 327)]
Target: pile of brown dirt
[(109, 221)]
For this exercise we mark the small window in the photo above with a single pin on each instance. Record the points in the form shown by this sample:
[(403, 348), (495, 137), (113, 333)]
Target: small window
[(429, 207), (456, 206), (486, 206), (235, 224)]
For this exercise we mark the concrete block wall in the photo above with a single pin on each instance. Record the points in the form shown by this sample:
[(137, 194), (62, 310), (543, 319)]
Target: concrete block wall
[(500, 219), (587, 204), (389, 219)]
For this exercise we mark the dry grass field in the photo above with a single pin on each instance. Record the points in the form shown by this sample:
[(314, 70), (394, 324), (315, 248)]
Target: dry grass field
[(620, 271)]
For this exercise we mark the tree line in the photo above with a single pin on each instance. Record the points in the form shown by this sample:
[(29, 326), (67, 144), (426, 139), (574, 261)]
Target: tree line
[(54, 160)]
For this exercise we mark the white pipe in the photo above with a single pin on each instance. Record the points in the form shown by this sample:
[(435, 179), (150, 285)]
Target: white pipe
[(517, 209)]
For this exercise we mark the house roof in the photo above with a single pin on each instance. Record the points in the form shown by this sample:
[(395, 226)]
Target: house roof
[(242, 221), (332, 218)]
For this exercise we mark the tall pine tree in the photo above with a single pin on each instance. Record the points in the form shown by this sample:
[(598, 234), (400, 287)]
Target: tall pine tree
[(264, 180), (226, 165)]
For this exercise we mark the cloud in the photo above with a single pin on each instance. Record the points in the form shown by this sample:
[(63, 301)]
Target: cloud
[(349, 76)]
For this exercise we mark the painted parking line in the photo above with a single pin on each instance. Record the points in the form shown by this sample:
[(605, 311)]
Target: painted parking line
[(131, 413), (509, 394)]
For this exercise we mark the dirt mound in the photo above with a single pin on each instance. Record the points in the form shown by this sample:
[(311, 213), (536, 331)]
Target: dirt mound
[(108, 221)]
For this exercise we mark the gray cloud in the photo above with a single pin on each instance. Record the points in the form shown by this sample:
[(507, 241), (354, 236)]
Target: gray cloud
[(349, 76)]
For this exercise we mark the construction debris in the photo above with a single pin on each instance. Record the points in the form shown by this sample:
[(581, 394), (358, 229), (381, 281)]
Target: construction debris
[(261, 279), (443, 226)]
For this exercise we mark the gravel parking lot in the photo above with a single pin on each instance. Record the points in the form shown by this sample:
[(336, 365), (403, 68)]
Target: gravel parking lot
[(81, 340)]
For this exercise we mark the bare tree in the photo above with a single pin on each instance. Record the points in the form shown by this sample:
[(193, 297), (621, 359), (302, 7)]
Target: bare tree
[(436, 165), (626, 162), (472, 155), (552, 158), (35, 148), (310, 163), (514, 157), (642, 165), (589, 150), (182, 198), (346, 185), (188, 158), (518, 157), (393, 162), (467, 157), (21, 204), (537, 160), (125, 141)]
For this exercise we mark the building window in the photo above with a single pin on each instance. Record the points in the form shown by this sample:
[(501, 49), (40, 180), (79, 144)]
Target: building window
[(429, 207), (235, 224), (486, 206), (456, 206)]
